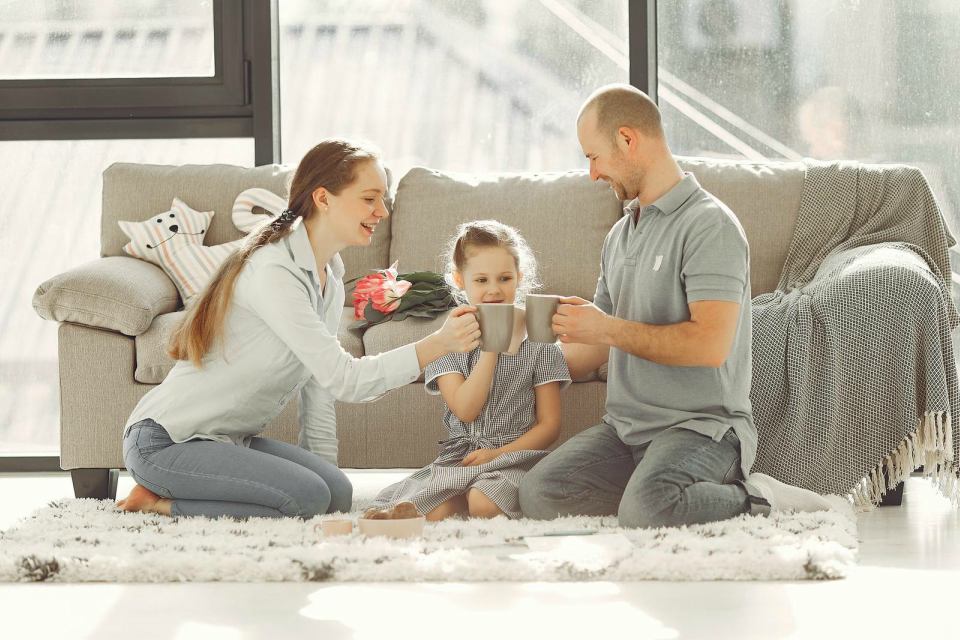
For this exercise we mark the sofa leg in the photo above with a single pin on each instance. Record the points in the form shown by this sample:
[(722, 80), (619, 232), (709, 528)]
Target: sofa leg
[(893, 497), (95, 483)]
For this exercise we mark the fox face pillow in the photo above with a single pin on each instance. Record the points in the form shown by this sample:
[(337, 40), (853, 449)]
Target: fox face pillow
[(173, 240)]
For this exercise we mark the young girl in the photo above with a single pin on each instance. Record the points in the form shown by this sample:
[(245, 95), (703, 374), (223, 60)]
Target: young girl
[(501, 410), (264, 330)]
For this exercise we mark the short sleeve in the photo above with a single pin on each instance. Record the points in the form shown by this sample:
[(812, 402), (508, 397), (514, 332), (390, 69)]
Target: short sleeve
[(715, 264), (450, 363), (551, 366), (601, 297)]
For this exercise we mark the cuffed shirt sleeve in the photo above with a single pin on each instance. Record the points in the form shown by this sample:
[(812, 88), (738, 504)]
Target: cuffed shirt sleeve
[(282, 301)]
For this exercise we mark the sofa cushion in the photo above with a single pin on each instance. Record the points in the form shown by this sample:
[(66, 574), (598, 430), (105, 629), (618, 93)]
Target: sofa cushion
[(118, 293), (133, 192), (153, 363), (564, 217), (390, 335), (766, 199)]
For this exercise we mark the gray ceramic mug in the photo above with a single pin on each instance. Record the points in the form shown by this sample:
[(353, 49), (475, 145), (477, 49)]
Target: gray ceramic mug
[(496, 326), (540, 311)]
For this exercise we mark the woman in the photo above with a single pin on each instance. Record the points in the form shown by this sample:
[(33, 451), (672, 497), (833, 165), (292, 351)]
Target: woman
[(263, 329)]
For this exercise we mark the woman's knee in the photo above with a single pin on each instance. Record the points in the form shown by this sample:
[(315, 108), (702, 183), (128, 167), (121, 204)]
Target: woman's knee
[(311, 498), (338, 486), (341, 494)]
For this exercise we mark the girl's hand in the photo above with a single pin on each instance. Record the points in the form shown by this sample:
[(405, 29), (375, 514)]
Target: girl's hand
[(460, 331), (480, 456)]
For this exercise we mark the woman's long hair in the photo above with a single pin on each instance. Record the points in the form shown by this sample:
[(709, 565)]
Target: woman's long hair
[(332, 164)]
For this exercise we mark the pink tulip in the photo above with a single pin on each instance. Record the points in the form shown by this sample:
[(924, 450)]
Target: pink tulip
[(359, 306), (368, 284), (380, 287), (387, 298)]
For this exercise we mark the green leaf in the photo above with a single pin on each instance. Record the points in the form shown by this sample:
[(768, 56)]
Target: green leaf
[(429, 276), (373, 315), (422, 313)]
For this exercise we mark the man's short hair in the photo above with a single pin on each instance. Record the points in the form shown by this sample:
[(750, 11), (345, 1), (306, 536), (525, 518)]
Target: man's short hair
[(622, 105)]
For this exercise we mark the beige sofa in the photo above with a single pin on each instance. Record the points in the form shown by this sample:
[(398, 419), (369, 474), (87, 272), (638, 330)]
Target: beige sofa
[(116, 312)]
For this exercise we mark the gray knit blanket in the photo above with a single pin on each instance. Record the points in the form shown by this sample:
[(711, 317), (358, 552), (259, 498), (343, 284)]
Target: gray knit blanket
[(854, 378)]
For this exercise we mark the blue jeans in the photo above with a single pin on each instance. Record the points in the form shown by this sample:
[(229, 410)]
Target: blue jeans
[(680, 477), (271, 479)]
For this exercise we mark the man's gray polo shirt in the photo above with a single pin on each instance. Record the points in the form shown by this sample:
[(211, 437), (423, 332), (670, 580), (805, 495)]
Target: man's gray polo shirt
[(685, 247)]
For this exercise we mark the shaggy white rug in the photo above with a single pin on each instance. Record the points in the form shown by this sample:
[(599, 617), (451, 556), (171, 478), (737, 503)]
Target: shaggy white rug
[(90, 541)]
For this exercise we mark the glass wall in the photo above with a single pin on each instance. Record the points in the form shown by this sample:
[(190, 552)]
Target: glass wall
[(49, 223), (462, 85), (826, 79), (105, 39)]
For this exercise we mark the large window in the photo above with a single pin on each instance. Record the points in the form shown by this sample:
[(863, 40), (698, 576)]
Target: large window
[(480, 85), (469, 85), (49, 223), (83, 84), (826, 79), (96, 69), (107, 39)]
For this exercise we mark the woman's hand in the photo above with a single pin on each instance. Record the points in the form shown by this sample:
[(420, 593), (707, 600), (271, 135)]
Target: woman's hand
[(480, 456), (461, 331)]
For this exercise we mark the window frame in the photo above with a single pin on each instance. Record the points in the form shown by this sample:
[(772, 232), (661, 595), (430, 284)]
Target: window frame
[(236, 102), (41, 98), (642, 19)]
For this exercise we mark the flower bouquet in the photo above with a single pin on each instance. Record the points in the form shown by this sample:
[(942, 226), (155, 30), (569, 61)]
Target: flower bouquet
[(386, 295)]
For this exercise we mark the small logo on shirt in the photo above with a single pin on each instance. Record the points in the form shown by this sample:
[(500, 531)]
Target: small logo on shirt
[(657, 263)]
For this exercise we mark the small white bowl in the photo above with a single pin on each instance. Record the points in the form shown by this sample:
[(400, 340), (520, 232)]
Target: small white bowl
[(336, 527), (403, 528)]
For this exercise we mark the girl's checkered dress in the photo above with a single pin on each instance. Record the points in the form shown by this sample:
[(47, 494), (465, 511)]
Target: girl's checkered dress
[(510, 411)]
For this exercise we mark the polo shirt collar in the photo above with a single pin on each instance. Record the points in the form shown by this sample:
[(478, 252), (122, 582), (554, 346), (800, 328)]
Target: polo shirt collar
[(680, 193), (630, 208), (303, 252)]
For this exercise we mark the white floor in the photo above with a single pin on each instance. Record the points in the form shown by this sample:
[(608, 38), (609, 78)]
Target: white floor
[(905, 587)]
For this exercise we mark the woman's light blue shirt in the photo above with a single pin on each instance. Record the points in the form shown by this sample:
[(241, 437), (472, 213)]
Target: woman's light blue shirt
[(280, 337)]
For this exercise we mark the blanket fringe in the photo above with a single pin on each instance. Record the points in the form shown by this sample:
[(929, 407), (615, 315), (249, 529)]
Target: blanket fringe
[(931, 445)]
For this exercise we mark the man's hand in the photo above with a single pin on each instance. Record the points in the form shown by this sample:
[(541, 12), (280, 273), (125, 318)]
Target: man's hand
[(578, 320), (480, 456)]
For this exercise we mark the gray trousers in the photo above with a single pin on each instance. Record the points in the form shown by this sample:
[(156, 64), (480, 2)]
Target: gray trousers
[(271, 479), (680, 477)]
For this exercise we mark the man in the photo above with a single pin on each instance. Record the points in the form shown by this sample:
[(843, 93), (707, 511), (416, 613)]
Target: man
[(671, 314)]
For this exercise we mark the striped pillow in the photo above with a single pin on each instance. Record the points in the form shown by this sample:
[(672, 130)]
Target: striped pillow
[(173, 240)]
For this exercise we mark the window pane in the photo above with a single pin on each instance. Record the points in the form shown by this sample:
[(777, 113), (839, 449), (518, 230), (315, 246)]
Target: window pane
[(453, 84), (828, 79), (50, 223), (106, 39)]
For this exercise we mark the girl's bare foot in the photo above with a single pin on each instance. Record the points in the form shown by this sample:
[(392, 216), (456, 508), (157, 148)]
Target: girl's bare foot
[(146, 501)]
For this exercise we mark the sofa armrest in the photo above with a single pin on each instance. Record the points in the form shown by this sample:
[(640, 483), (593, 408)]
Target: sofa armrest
[(117, 293)]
